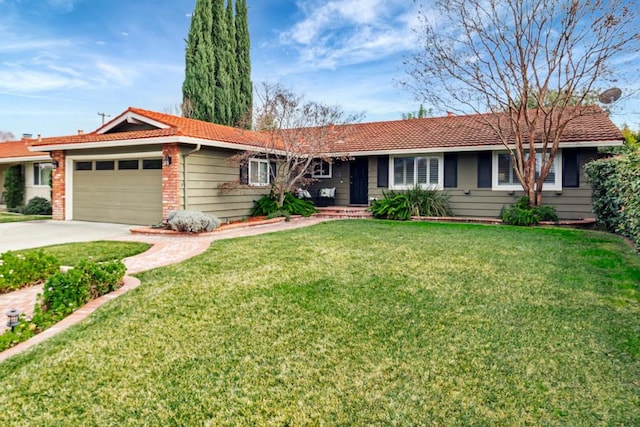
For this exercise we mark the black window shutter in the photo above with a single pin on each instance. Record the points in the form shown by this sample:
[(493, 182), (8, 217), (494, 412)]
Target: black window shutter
[(450, 170), (244, 174), (383, 171), (272, 171), (570, 169), (484, 169)]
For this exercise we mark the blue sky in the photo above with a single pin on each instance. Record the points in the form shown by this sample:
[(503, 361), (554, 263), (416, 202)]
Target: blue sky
[(64, 61)]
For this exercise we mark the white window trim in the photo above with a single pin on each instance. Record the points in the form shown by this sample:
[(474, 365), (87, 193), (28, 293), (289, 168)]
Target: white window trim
[(320, 175), (259, 184), (33, 165), (556, 186), (438, 186)]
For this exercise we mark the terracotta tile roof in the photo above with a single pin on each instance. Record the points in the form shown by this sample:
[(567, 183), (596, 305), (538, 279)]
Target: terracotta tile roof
[(590, 124), (18, 149), (177, 126)]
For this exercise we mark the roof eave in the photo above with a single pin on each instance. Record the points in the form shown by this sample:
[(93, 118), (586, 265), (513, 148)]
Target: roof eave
[(24, 159), (469, 148)]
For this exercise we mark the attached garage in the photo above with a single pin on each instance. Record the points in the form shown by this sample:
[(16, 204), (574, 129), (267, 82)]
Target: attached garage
[(126, 191)]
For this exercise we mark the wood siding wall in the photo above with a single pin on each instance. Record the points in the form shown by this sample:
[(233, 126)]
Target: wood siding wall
[(340, 173), (571, 203), (206, 171)]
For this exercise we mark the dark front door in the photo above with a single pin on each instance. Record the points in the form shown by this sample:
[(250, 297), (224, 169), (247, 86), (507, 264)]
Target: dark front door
[(359, 180)]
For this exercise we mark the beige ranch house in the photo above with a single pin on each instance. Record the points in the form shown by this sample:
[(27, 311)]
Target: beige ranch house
[(144, 164)]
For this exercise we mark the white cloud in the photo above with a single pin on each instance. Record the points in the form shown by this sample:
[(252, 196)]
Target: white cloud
[(62, 5), (19, 79), (350, 32)]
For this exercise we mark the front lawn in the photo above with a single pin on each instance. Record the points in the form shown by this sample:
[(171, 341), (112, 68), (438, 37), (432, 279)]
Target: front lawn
[(355, 323), (98, 251), (13, 217)]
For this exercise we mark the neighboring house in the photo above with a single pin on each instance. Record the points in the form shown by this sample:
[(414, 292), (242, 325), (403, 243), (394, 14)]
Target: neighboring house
[(143, 164), (36, 168)]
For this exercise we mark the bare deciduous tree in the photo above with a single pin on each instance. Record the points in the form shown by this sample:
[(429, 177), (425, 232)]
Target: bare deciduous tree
[(487, 56), (297, 134), (6, 136)]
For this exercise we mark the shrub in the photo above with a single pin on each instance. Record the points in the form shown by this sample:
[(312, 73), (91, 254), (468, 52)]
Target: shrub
[(38, 206), (192, 221), (392, 206), (63, 293), (280, 213), (415, 201), (14, 188), (616, 193), (523, 214), (268, 204), (18, 270)]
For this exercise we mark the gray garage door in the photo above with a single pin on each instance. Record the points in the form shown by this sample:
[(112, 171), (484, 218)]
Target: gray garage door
[(127, 191)]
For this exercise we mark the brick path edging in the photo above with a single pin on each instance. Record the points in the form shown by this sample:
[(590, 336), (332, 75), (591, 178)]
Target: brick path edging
[(75, 317)]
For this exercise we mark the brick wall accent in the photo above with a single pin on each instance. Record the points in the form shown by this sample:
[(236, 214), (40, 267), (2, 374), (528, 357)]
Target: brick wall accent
[(170, 179), (58, 198)]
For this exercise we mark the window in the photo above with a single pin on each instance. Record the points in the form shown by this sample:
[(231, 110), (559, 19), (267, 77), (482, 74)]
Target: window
[(152, 164), (127, 164), (321, 169), (105, 165), (258, 172), (506, 178), (424, 171), (84, 166), (42, 173)]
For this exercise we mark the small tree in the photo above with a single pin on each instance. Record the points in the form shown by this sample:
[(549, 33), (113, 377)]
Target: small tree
[(14, 187), (6, 136), (488, 56), (297, 133)]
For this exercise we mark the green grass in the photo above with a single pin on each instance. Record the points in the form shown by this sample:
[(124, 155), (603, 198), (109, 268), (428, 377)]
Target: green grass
[(355, 323), (13, 217), (99, 251)]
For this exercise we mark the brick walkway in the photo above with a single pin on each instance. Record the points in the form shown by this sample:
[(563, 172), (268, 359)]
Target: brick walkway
[(166, 250)]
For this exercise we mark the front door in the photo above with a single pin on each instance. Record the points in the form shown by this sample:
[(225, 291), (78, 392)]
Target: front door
[(358, 181)]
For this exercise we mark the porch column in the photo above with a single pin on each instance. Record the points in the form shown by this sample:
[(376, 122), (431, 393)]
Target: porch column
[(170, 178), (58, 188)]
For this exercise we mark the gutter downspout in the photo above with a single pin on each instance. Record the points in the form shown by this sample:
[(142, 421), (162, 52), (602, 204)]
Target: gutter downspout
[(184, 173)]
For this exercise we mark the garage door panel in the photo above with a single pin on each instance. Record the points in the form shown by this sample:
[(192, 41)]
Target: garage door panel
[(121, 196)]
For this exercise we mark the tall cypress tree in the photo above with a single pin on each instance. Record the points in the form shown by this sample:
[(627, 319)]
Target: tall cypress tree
[(243, 56), (198, 89), (236, 115), (220, 36)]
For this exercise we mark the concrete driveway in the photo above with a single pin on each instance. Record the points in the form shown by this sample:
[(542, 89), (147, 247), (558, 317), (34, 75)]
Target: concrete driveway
[(32, 234)]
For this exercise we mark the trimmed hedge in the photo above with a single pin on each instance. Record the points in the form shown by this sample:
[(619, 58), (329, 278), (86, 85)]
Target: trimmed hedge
[(616, 193)]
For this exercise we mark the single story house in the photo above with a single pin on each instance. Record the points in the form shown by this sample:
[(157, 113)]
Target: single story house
[(35, 165), (143, 164)]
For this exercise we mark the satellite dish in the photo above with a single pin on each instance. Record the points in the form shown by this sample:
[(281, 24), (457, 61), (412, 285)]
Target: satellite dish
[(610, 96)]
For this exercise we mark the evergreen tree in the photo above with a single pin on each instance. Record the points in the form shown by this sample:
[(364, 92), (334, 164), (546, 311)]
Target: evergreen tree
[(198, 89), (244, 62), (236, 112), (220, 36)]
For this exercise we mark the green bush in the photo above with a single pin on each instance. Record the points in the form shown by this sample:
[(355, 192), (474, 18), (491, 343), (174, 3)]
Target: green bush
[(417, 201), (14, 188), (18, 270), (616, 193), (523, 214), (268, 204), (38, 206), (63, 293)]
